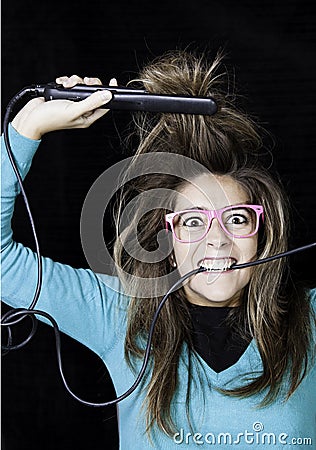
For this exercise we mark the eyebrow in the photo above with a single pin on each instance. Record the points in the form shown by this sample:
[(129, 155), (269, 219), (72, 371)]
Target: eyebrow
[(194, 207), (207, 209)]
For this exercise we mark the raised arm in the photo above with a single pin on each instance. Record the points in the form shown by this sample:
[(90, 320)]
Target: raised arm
[(82, 305)]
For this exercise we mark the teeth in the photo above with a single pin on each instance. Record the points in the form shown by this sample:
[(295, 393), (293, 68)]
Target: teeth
[(217, 265)]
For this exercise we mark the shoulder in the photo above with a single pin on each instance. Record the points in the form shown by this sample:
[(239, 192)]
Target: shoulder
[(312, 297)]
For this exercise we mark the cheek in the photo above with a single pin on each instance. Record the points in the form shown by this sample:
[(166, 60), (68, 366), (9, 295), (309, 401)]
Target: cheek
[(187, 256), (247, 248), (244, 276), (183, 255)]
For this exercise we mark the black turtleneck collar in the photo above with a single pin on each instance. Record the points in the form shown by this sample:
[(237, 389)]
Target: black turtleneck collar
[(214, 339)]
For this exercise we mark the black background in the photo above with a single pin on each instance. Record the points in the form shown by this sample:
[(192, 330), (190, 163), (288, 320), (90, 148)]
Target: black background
[(272, 47)]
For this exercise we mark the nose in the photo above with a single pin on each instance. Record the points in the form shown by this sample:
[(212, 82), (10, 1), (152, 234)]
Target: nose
[(216, 236)]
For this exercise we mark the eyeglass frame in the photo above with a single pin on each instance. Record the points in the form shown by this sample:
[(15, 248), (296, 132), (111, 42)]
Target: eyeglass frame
[(215, 214)]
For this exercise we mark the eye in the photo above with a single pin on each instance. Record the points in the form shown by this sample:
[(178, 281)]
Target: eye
[(192, 222), (237, 219)]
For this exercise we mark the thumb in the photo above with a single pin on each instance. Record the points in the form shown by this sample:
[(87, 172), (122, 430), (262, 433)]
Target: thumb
[(94, 101)]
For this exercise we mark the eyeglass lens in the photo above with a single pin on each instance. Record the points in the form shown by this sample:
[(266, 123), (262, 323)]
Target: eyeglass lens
[(192, 225)]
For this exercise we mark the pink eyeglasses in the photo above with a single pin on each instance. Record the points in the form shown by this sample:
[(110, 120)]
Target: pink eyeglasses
[(192, 225)]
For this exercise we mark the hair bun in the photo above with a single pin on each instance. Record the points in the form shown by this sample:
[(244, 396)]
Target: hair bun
[(221, 141), (182, 73)]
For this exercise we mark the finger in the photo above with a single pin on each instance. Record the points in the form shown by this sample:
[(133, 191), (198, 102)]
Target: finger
[(91, 80), (94, 101), (72, 81), (61, 80), (113, 82)]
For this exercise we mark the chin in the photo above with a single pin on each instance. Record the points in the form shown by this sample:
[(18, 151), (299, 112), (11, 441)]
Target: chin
[(213, 290)]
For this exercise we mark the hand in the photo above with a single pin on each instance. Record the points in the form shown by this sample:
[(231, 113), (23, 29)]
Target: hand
[(38, 117)]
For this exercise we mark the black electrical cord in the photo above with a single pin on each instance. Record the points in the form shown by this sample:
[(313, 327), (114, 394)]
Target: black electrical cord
[(272, 258), (5, 320), (31, 312)]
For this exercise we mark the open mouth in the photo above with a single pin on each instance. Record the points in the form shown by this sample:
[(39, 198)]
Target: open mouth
[(217, 265)]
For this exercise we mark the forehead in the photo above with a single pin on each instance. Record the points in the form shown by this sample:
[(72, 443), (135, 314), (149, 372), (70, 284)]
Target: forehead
[(211, 192)]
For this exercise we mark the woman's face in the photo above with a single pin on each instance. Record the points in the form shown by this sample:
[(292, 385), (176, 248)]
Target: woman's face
[(214, 288)]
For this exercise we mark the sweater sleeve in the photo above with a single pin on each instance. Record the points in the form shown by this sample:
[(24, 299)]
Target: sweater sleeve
[(84, 306)]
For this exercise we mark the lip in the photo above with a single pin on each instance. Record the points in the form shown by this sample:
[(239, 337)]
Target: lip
[(215, 272)]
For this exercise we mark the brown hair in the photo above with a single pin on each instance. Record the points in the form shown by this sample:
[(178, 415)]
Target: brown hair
[(275, 314)]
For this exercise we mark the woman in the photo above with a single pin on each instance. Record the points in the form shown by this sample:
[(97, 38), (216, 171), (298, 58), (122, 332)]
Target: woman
[(232, 353)]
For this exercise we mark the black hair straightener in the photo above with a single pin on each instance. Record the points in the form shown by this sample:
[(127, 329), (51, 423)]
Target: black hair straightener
[(129, 99)]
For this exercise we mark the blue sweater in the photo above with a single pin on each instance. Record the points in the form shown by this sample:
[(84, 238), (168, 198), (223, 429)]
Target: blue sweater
[(90, 308)]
